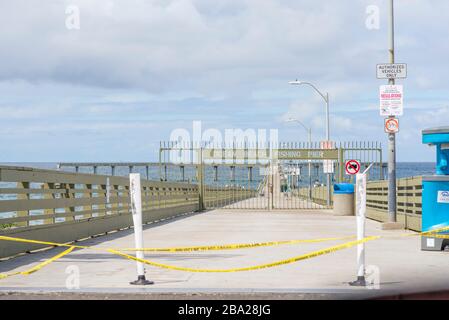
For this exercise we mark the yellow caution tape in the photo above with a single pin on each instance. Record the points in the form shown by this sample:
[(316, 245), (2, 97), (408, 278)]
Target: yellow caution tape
[(42, 242), (425, 233), (432, 233), (4, 276), (435, 231), (262, 266), (439, 236), (212, 247), (39, 266), (176, 249), (234, 246), (43, 264), (183, 249)]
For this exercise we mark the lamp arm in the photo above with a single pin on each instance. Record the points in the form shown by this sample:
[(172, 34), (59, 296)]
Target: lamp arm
[(316, 89)]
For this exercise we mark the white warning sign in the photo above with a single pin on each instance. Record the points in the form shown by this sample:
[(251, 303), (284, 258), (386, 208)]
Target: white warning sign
[(391, 100)]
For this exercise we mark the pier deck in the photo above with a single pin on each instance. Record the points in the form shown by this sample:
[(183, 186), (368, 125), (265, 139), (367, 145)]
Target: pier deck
[(403, 266)]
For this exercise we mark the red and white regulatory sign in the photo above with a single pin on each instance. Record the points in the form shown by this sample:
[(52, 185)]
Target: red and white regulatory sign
[(391, 125), (352, 167), (391, 100)]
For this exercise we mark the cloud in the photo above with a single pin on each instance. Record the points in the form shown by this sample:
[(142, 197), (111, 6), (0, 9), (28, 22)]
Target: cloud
[(226, 62), (154, 45), (196, 45), (436, 117)]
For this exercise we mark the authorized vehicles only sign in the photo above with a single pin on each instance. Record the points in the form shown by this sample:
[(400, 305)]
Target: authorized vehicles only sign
[(392, 71)]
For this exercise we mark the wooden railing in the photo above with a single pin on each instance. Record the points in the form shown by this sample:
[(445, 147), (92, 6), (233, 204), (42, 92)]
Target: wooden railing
[(59, 206), (31, 197), (409, 201), (319, 195), (409, 195)]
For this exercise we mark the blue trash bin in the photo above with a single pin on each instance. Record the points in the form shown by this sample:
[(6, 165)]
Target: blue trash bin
[(343, 188), (343, 199)]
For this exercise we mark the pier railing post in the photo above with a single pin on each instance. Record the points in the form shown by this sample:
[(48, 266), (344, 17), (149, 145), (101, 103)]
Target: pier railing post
[(200, 179)]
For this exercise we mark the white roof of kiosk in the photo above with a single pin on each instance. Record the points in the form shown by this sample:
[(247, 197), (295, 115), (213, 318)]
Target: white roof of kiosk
[(436, 130)]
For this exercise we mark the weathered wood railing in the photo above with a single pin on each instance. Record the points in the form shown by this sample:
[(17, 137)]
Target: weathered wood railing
[(409, 201), (319, 195), (63, 207)]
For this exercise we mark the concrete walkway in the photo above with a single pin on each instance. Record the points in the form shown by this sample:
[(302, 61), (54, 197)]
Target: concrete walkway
[(402, 266)]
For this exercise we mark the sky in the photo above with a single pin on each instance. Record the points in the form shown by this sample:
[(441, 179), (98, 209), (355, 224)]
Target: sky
[(110, 87)]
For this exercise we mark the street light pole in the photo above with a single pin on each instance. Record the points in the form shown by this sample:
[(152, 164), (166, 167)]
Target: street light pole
[(391, 136), (326, 99), (310, 166), (327, 118), (328, 182), (309, 131)]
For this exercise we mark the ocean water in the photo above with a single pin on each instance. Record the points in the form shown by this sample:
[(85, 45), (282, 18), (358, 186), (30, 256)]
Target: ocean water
[(404, 169), (413, 169)]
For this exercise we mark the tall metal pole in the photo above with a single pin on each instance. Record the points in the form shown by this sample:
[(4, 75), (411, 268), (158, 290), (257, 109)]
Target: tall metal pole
[(326, 99), (391, 136), (309, 132), (328, 182), (327, 118), (310, 165)]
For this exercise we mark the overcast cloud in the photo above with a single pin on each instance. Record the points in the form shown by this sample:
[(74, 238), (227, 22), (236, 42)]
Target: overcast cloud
[(136, 70)]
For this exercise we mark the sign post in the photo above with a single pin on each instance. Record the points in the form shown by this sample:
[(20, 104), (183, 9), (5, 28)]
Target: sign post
[(328, 145), (391, 105)]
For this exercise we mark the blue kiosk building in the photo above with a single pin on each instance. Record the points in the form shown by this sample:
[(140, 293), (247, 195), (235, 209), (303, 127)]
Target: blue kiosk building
[(435, 193)]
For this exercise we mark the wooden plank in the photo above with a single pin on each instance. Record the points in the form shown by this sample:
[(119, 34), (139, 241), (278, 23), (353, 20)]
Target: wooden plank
[(9, 175), (49, 211), (69, 195), (409, 198), (21, 197), (75, 230), (37, 204)]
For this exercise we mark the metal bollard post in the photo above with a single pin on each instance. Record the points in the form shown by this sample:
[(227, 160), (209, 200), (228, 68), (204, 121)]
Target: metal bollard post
[(136, 207), (361, 213)]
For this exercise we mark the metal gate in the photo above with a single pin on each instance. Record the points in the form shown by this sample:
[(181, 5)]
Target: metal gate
[(289, 176)]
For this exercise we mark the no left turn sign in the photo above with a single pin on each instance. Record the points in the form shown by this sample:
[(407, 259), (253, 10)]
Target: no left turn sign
[(352, 167)]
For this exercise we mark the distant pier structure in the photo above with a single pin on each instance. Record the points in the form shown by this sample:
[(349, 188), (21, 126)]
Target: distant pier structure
[(93, 167), (112, 165), (164, 167), (165, 170)]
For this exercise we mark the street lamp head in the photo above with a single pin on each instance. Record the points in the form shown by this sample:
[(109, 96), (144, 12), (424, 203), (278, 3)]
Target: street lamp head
[(296, 82)]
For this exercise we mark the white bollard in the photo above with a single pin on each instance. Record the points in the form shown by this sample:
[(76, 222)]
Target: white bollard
[(360, 216), (136, 208)]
